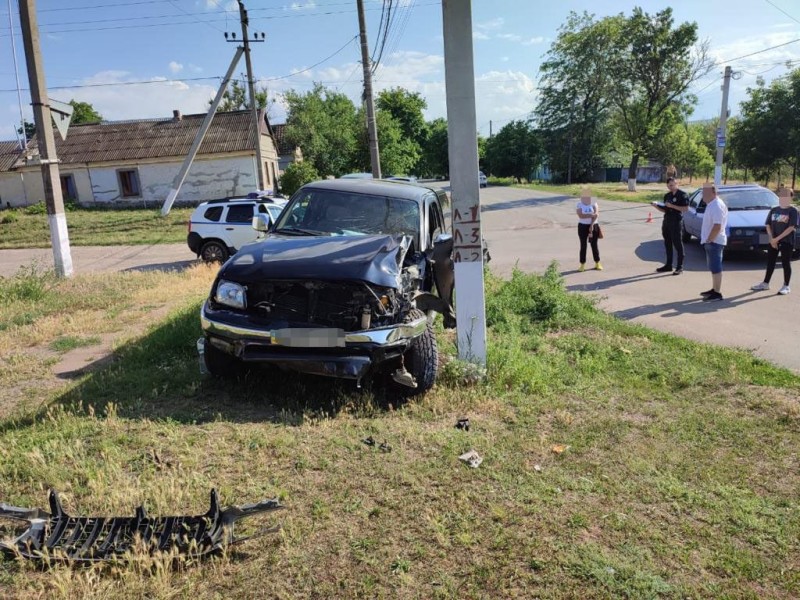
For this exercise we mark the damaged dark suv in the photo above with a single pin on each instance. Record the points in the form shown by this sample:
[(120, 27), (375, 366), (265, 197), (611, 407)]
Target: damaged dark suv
[(345, 284)]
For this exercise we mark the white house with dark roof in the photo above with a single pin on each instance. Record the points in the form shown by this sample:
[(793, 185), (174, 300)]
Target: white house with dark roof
[(134, 163)]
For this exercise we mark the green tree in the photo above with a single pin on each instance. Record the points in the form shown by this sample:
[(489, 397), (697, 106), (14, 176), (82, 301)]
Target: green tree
[(653, 64), (325, 125), (235, 97), (84, 112), (28, 128), (767, 134), (406, 109), (575, 96), (399, 153), (515, 151), (297, 175), (435, 160)]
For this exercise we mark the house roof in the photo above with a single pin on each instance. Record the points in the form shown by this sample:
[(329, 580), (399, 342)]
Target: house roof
[(283, 146), (155, 138), (9, 153)]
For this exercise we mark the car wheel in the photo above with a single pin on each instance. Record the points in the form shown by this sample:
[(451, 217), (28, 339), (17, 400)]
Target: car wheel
[(685, 235), (220, 364), (214, 251), (421, 359)]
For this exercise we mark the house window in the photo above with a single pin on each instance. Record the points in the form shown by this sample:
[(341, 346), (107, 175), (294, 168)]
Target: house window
[(129, 183), (68, 190)]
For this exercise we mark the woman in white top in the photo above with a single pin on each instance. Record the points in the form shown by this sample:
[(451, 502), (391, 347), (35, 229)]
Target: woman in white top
[(588, 229)]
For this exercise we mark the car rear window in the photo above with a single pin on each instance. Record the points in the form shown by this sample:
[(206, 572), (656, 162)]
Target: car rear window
[(213, 214)]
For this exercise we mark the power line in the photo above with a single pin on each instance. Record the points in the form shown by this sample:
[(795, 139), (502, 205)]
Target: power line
[(730, 60), (780, 9)]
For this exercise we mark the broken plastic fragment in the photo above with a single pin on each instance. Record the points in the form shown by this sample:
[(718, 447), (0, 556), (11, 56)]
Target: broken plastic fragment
[(472, 459)]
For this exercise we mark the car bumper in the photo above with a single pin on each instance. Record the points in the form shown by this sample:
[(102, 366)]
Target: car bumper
[(194, 241), (320, 351)]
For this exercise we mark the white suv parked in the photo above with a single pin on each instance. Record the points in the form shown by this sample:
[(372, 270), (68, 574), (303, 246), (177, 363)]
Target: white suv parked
[(218, 228)]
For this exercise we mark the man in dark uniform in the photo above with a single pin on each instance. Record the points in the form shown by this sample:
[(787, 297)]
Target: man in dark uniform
[(676, 202)]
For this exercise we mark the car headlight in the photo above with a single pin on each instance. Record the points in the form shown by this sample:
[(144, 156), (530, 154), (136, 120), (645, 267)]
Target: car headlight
[(231, 294)]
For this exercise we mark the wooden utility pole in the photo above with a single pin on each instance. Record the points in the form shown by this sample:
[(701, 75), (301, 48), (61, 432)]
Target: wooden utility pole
[(252, 92), (372, 127), (54, 201)]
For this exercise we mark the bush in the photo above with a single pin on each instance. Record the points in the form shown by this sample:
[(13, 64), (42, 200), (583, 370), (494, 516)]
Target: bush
[(297, 175), (30, 283), (9, 217), (36, 209)]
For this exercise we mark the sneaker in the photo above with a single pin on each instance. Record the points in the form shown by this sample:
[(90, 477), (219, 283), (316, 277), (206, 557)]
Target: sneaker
[(582, 268), (784, 290), (712, 297), (760, 287), (678, 271), (598, 266), (664, 269), (707, 293)]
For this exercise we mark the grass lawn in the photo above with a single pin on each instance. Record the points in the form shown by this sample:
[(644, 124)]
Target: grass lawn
[(609, 470), (644, 193), (29, 228)]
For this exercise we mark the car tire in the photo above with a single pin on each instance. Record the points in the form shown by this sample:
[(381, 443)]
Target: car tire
[(685, 235), (421, 359), (220, 364), (214, 251)]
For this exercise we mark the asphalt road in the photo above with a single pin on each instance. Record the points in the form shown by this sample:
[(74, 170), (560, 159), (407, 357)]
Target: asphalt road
[(532, 229)]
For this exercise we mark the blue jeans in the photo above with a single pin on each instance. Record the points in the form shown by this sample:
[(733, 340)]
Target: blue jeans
[(714, 257)]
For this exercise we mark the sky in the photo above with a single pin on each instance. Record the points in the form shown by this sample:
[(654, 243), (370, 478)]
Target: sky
[(100, 51)]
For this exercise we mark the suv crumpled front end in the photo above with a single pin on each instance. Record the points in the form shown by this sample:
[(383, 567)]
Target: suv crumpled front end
[(333, 306)]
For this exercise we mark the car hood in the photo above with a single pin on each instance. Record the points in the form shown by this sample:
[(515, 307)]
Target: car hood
[(374, 258), (747, 218)]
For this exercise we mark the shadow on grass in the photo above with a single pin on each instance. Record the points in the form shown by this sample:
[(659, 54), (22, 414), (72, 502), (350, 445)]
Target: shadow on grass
[(158, 377)]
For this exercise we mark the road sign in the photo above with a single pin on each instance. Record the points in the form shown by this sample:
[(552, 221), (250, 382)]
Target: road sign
[(62, 114)]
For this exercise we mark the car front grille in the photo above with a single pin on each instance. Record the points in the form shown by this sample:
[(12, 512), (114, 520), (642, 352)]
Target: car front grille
[(310, 303)]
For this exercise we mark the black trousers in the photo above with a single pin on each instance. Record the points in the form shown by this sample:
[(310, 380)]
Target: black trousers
[(786, 260), (583, 235), (671, 231)]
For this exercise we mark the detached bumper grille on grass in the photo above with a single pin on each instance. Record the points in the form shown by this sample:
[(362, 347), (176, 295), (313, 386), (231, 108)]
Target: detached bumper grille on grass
[(56, 536)]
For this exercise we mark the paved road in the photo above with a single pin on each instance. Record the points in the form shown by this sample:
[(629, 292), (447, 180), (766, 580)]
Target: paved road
[(531, 229)]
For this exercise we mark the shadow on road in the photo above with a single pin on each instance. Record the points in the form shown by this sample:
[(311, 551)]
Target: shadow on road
[(692, 306), (176, 266), (522, 203)]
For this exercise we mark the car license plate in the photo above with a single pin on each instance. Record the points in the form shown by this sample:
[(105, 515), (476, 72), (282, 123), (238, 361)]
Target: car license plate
[(321, 337), (763, 239)]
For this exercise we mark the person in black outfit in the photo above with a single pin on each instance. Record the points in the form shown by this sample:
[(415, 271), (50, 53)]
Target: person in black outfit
[(676, 202), (781, 225)]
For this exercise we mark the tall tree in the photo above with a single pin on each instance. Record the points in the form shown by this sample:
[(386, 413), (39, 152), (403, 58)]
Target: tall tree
[(399, 153), (575, 95), (405, 109), (515, 151), (84, 112), (235, 97), (435, 160), (653, 64), (767, 135), (325, 125)]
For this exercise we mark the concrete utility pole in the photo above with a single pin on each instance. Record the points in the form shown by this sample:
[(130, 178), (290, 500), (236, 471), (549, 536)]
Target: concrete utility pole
[(464, 185), (723, 119), (198, 139), (372, 127), (252, 92), (44, 136)]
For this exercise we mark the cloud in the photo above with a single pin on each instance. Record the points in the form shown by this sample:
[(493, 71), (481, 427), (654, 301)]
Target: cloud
[(491, 25), (175, 67), (534, 40), (140, 101), (511, 37), (303, 5), (479, 35)]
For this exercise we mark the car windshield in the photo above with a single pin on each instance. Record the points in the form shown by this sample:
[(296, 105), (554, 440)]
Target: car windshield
[(749, 199), (333, 212)]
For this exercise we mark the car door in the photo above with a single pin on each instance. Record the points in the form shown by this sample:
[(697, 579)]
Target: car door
[(693, 218), (239, 224)]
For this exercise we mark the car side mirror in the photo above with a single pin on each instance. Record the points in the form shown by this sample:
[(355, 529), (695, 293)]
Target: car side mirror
[(701, 208), (261, 222)]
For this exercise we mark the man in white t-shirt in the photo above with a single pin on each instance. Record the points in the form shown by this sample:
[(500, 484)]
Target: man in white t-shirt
[(713, 236)]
